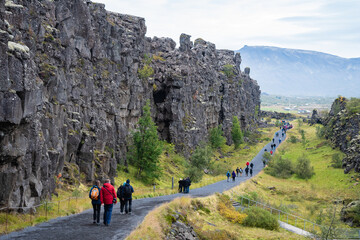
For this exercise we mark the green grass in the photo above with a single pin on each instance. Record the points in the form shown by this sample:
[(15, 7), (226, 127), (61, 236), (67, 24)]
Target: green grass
[(305, 198)]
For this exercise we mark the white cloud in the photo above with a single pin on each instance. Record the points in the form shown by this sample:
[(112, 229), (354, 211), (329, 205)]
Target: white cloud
[(231, 24)]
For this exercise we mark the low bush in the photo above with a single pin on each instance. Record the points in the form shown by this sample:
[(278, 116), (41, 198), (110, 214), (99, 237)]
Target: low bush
[(303, 168), (227, 210), (336, 161), (258, 217), (216, 137), (293, 139), (280, 167)]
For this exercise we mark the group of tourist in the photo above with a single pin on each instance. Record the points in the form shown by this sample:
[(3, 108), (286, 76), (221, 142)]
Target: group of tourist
[(184, 185), (107, 196), (248, 169)]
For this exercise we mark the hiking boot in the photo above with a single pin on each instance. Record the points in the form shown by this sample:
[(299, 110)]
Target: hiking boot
[(94, 222), (129, 213)]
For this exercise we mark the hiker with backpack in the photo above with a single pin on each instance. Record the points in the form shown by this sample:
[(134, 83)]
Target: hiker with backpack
[(120, 195), (233, 176), (128, 190), (228, 175), (241, 171), (237, 171), (94, 195), (108, 198), (187, 183), (251, 165), (251, 172), (247, 171)]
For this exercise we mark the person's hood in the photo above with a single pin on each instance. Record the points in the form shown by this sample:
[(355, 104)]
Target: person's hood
[(127, 184)]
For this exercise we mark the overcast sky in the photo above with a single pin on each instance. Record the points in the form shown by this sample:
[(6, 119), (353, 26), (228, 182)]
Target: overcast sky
[(330, 26)]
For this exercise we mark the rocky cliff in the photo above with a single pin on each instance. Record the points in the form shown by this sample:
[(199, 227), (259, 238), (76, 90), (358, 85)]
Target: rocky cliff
[(342, 127), (74, 78)]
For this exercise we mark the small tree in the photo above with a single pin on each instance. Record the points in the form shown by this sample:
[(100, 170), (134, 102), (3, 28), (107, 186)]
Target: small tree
[(280, 167), (146, 147), (199, 160), (216, 137), (303, 168), (236, 133)]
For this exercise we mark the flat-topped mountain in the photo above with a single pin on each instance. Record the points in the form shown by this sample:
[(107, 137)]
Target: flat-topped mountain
[(304, 73)]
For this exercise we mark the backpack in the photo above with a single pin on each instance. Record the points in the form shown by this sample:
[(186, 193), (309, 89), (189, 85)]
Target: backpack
[(118, 193), (127, 191), (94, 195)]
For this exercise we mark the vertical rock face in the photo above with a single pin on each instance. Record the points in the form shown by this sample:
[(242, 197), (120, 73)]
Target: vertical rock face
[(343, 129), (70, 93)]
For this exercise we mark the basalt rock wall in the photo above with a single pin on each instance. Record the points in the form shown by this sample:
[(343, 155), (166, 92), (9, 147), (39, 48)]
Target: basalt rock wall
[(342, 128), (71, 91)]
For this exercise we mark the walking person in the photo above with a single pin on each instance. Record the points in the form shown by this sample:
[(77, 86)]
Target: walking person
[(233, 176), (187, 183), (273, 140), (241, 171), (251, 165), (247, 164), (120, 195), (108, 198), (247, 171), (264, 161), (237, 171), (181, 185), (228, 175), (128, 190), (94, 194), (279, 141), (271, 152), (251, 171)]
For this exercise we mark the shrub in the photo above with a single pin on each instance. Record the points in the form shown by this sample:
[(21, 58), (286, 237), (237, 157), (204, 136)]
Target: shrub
[(258, 217), (199, 160), (227, 210), (293, 139), (353, 106), (228, 70), (303, 168), (145, 72), (236, 134), (336, 161), (216, 137), (320, 131), (280, 167)]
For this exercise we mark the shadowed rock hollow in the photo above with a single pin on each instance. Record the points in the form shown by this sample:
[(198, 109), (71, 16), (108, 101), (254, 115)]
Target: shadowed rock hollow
[(70, 93)]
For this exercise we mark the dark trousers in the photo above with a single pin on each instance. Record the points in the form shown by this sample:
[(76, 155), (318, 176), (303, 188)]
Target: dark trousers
[(96, 208), (107, 213), (128, 205), (122, 205)]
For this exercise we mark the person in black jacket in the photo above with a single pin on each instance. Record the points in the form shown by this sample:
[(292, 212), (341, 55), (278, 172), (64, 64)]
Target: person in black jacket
[(186, 185), (120, 195), (127, 193), (95, 201)]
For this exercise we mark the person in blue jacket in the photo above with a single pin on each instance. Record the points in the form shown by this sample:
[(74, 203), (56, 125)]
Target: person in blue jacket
[(94, 195)]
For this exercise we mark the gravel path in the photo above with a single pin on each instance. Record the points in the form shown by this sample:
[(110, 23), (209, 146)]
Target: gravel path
[(79, 226)]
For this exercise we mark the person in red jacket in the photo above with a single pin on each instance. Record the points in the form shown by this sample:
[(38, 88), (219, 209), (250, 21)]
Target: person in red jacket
[(108, 198)]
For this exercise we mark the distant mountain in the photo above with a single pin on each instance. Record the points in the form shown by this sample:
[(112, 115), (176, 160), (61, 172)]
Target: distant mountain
[(303, 73)]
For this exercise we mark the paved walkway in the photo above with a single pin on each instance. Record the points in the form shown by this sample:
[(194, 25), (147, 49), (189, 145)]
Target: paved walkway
[(79, 226)]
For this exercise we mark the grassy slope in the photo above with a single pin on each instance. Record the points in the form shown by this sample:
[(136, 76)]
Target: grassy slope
[(207, 221), (304, 198)]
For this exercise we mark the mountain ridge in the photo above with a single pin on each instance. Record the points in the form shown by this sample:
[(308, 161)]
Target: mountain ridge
[(296, 69)]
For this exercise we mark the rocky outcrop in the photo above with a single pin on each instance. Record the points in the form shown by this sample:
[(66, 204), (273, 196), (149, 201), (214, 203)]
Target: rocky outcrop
[(72, 87), (342, 128), (315, 118), (277, 115), (350, 214)]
